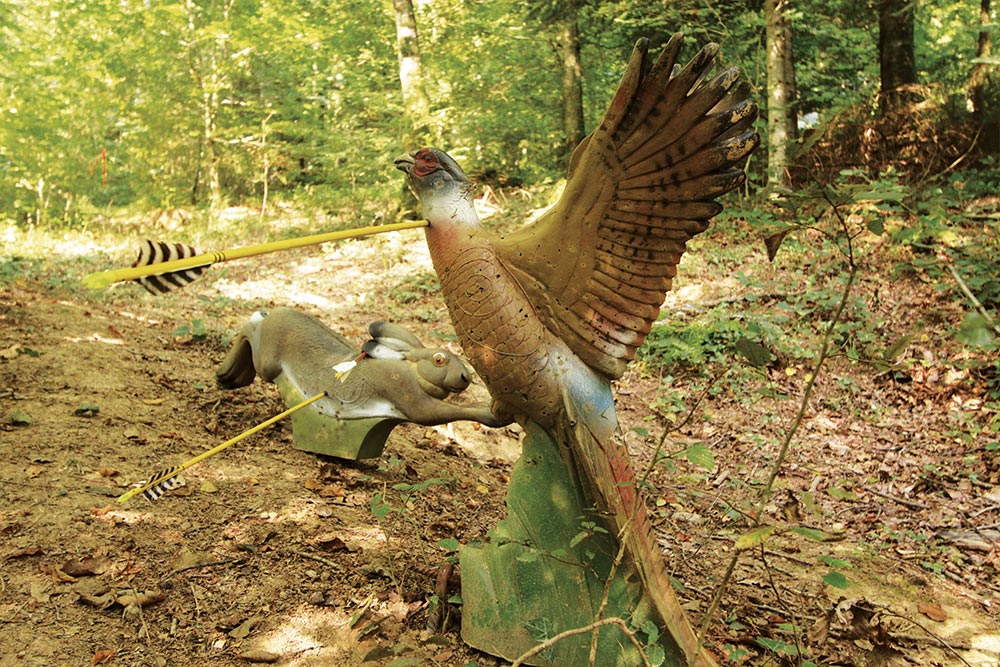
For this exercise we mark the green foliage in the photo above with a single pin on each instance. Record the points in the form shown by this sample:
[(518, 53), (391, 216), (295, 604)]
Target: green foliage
[(207, 101), (194, 331), (414, 288)]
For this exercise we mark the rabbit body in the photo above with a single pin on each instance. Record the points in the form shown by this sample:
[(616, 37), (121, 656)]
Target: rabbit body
[(394, 376)]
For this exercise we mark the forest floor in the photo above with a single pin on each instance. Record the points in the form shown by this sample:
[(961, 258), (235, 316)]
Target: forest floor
[(885, 548)]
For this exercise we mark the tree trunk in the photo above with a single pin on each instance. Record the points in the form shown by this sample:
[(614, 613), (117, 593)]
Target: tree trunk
[(989, 125), (897, 64), (416, 106), (782, 118), (210, 109), (206, 59), (568, 39)]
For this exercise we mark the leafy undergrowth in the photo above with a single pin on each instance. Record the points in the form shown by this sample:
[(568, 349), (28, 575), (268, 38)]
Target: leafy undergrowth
[(876, 545)]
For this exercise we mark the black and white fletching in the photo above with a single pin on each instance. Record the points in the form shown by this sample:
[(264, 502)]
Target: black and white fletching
[(156, 252), (164, 481)]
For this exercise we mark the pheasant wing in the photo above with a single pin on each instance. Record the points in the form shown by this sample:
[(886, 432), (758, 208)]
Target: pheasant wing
[(599, 262)]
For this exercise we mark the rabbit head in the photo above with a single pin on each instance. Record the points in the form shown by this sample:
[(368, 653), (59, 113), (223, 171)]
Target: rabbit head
[(439, 372)]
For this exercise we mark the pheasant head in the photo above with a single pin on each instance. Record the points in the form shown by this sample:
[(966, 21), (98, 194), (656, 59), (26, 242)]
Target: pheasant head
[(444, 191)]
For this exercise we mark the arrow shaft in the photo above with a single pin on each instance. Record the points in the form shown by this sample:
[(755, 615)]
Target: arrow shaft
[(128, 495), (105, 278)]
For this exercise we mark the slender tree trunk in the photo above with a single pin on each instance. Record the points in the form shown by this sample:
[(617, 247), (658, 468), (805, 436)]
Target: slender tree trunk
[(416, 105), (568, 39), (206, 62), (989, 124), (897, 63), (781, 115), (210, 108)]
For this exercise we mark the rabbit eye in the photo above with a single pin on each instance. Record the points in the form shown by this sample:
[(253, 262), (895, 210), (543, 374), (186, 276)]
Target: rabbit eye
[(440, 359)]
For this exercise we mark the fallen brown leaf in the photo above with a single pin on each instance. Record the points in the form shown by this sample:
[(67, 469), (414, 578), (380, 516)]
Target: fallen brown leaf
[(331, 543), (87, 566), (258, 655), (243, 630), (933, 611), (102, 656), (140, 599), (33, 550), (39, 592)]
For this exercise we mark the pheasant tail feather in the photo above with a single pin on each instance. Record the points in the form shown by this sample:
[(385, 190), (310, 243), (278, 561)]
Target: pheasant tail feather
[(604, 466)]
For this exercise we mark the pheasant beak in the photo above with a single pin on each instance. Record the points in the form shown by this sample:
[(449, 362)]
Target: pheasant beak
[(404, 162)]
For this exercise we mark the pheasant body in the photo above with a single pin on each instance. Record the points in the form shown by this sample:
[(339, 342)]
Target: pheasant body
[(551, 313)]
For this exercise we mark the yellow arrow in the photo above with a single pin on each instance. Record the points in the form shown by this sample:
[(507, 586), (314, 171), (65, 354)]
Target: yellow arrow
[(102, 279), (128, 495)]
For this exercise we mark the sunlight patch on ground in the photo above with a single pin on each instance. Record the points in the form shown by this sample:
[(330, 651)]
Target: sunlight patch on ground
[(701, 295), (898, 601), (311, 630), (94, 338), (43, 243)]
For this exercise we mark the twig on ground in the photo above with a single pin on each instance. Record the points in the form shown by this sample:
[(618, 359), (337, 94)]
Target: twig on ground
[(590, 627), (896, 499), (318, 559), (198, 566)]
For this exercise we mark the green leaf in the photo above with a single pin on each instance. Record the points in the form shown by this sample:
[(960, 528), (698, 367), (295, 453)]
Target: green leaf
[(898, 347), (876, 226), (379, 507), (778, 646), (975, 331), (843, 494), (700, 455), (528, 556), (835, 579), (655, 655), (835, 562), (404, 662), (651, 630), (20, 418), (808, 499), (86, 409), (449, 544), (755, 537), (811, 533), (753, 352)]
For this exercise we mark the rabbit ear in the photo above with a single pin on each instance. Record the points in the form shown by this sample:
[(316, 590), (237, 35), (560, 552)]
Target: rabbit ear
[(394, 336), (376, 349)]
